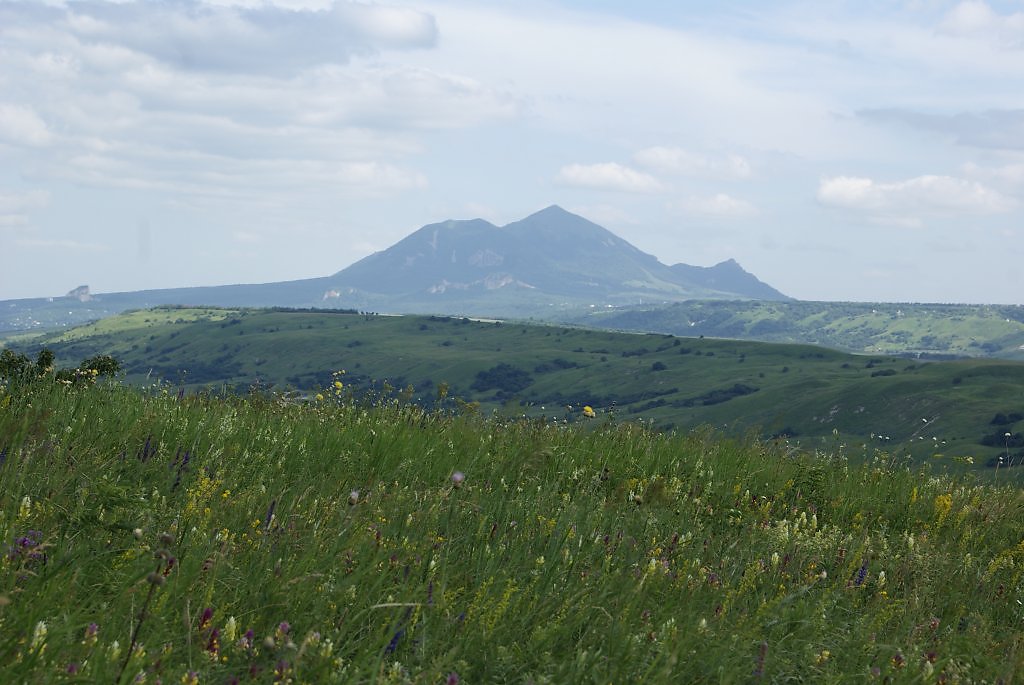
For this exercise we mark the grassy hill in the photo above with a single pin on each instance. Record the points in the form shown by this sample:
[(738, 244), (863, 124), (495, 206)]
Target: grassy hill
[(814, 397), (931, 331), (152, 538)]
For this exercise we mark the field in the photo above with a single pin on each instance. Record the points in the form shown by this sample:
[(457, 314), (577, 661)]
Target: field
[(164, 539), (814, 397)]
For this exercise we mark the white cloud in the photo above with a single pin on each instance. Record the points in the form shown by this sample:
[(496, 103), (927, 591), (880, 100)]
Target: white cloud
[(608, 176), (21, 125), (198, 36), (975, 18), (1011, 175), (677, 160), (905, 201), (719, 204)]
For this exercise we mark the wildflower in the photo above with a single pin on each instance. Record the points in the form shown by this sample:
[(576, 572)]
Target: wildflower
[(395, 639), (91, 633), (353, 498), (453, 679), (230, 629), (457, 478), (823, 656), (881, 579), (862, 574), (588, 412), (26, 507), (246, 640), (114, 650), (38, 637), (319, 397), (190, 678), (775, 559), (213, 644), (282, 629), (943, 505), (205, 618)]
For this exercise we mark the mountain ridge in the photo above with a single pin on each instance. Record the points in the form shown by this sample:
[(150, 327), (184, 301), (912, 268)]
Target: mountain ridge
[(552, 253), (548, 261)]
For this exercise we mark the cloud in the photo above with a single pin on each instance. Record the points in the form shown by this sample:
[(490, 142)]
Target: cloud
[(15, 207), (719, 204), (608, 176), (976, 19), (680, 161), (993, 129), (1009, 174), (194, 35), (21, 125), (906, 201)]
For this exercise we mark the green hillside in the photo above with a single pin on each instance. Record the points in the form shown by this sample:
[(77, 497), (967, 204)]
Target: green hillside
[(932, 331), (814, 397), (155, 539)]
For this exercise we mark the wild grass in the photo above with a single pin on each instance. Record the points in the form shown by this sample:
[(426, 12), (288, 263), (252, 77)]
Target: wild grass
[(150, 537)]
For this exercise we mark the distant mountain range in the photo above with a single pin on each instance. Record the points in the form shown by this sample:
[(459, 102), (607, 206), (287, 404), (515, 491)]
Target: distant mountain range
[(550, 260)]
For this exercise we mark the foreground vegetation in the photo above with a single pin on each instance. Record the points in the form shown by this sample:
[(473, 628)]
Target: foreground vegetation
[(158, 537)]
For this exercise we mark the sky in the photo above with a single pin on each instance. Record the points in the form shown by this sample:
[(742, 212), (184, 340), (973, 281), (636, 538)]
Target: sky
[(860, 150)]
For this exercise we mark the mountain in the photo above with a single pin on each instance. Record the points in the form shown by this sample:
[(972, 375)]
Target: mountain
[(550, 259)]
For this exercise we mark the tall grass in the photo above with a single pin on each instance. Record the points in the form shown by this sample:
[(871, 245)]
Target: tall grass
[(152, 538)]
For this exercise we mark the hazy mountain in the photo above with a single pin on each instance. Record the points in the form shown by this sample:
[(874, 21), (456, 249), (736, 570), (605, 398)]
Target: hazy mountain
[(552, 258)]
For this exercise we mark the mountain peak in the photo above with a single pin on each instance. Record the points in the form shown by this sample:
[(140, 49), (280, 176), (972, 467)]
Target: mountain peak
[(551, 210)]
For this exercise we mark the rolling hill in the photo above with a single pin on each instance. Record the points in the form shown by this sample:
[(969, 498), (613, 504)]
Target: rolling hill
[(924, 331), (810, 395)]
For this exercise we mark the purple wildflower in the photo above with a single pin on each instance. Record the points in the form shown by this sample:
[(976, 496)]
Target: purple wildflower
[(862, 574), (393, 645)]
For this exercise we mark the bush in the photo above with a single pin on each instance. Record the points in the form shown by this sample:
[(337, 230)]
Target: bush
[(503, 377)]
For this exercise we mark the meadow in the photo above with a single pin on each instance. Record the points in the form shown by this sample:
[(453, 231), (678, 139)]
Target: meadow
[(815, 397), (157, 536)]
